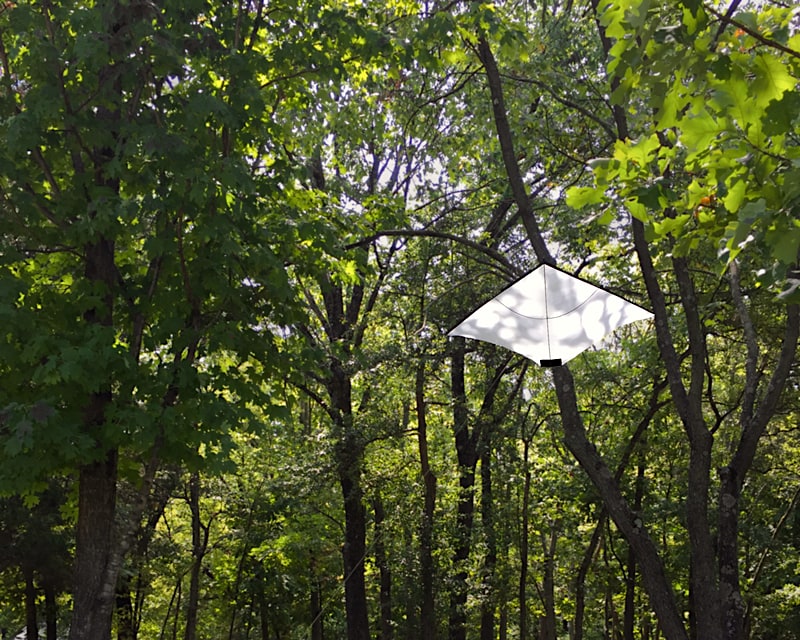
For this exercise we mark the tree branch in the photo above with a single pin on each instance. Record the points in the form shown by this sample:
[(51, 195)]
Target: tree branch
[(511, 270), (752, 32)]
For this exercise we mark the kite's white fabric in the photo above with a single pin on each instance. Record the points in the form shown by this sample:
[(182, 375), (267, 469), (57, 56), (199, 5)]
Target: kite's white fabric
[(549, 316)]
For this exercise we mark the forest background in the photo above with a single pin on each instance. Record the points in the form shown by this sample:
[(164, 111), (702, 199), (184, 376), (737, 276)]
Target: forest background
[(234, 236)]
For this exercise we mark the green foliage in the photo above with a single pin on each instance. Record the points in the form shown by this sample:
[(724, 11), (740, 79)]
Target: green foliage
[(265, 175), (719, 157)]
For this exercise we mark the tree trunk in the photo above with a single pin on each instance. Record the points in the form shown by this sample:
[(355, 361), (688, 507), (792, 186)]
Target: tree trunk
[(523, 546), (583, 572), (354, 548), (317, 628), (31, 625), (467, 460), (349, 455), (629, 615), (93, 597), (198, 551), (548, 622), (427, 605), (125, 622), (488, 601), (385, 576), (50, 610)]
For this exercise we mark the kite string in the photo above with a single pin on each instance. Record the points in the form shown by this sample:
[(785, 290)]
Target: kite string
[(546, 314)]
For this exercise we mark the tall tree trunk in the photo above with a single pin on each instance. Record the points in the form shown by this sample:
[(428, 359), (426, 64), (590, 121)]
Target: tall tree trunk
[(385, 576), (548, 622), (489, 598), (755, 416), (427, 605), (125, 622), (629, 615), (583, 572), (317, 628), (354, 548), (50, 610), (96, 563), (31, 625), (198, 552), (467, 460), (92, 597), (523, 545), (349, 456)]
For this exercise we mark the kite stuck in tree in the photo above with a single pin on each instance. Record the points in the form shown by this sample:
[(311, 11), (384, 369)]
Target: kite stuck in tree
[(549, 316)]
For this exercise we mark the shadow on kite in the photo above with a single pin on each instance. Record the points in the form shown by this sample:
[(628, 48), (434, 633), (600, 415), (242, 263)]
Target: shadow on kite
[(549, 316)]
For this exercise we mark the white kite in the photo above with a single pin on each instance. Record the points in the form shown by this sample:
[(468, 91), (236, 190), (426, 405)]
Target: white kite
[(549, 316)]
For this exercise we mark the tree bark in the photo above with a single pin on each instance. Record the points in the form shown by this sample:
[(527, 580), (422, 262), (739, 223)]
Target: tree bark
[(199, 543), (629, 614), (50, 610), (124, 604), (349, 458), (354, 548), (488, 602), (317, 628), (427, 605), (385, 575), (31, 625), (92, 608), (548, 621), (96, 564), (467, 459), (523, 545)]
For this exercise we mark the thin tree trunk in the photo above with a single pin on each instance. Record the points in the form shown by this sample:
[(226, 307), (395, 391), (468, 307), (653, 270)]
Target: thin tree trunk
[(385, 576), (502, 623), (198, 552), (548, 622), (583, 572), (523, 545), (263, 617), (629, 615), (488, 603), (31, 625), (427, 605), (467, 460), (50, 610), (124, 602), (174, 601), (317, 628)]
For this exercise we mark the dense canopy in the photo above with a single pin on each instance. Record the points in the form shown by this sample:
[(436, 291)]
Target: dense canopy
[(234, 238)]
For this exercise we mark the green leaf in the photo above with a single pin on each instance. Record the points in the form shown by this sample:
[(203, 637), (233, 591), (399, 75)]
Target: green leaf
[(781, 115), (733, 200), (772, 79), (699, 130), (578, 197), (784, 244), (671, 225)]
